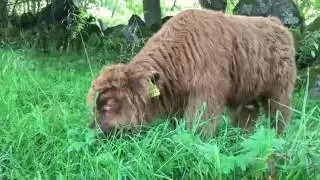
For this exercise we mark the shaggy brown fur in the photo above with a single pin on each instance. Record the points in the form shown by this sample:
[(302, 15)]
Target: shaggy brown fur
[(201, 56)]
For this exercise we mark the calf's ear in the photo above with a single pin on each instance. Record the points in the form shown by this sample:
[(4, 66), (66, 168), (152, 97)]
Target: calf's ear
[(153, 85), (155, 77)]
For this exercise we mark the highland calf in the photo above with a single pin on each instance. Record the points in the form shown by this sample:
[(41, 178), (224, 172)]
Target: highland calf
[(200, 56)]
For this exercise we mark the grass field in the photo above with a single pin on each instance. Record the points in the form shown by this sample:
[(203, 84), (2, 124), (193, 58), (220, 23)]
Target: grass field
[(44, 134)]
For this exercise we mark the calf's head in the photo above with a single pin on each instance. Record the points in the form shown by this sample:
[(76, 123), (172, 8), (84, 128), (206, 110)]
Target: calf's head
[(121, 98)]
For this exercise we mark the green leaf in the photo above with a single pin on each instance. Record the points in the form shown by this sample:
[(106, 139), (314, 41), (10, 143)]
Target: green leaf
[(89, 137), (313, 54), (75, 146), (316, 46), (242, 161), (208, 150), (228, 164)]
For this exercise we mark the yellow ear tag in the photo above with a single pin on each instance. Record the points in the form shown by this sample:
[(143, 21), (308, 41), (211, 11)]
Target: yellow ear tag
[(153, 90)]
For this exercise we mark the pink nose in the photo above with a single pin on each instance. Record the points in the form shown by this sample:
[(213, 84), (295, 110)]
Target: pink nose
[(107, 107), (110, 106)]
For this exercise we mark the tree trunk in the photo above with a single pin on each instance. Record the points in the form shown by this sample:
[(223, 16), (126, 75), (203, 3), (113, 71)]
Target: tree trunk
[(3, 13), (152, 14)]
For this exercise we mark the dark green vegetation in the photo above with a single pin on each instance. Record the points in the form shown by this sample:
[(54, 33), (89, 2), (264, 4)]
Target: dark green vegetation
[(44, 133)]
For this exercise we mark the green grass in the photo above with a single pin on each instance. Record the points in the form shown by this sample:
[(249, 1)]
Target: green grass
[(44, 133)]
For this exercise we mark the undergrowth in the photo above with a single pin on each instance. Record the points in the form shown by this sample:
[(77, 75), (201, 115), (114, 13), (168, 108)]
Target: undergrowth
[(44, 133)]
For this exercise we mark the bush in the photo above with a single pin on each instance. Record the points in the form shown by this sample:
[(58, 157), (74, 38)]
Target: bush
[(309, 49)]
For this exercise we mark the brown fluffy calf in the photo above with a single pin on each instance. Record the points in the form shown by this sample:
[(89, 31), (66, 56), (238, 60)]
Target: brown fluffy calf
[(201, 56)]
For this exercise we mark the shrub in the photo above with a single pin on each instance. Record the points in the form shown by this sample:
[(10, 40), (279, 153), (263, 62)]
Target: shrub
[(309, 49)]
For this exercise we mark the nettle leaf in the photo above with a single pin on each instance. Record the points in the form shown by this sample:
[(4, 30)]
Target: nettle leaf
[(208, 150), (212, 154), (80, 141), (316, 46), (75, 146), (186, 139), (242, 161), (258, 148), (257, 143), (262, 142), (105, 158), (227, 163), (90, 137), (277, 144), (313, 54)]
